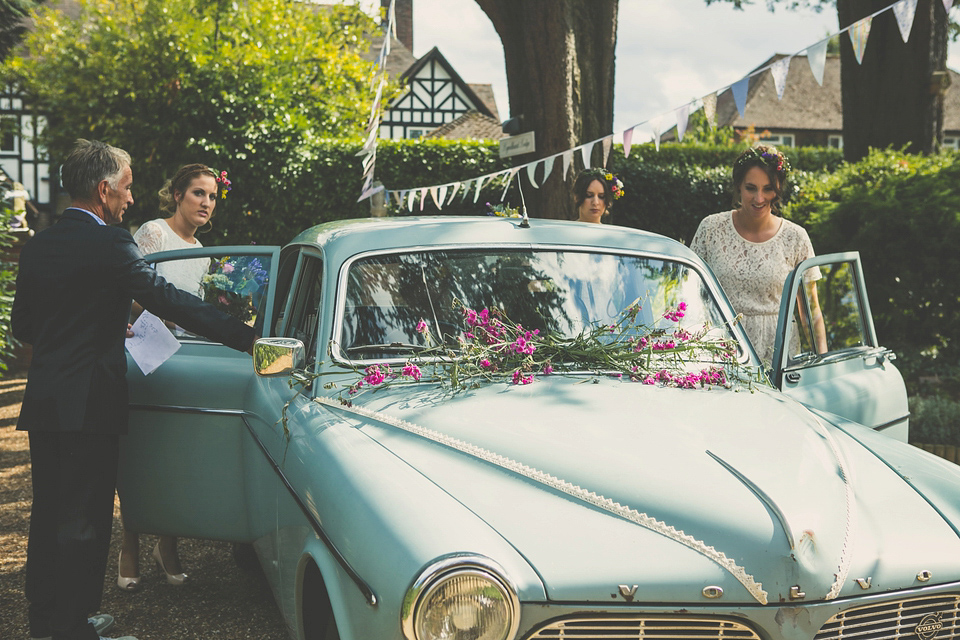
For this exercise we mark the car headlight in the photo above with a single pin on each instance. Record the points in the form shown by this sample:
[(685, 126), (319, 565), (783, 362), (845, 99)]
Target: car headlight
[(461, 598)]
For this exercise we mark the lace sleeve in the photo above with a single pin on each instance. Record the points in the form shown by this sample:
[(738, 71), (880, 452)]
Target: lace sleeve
[(149, 238)]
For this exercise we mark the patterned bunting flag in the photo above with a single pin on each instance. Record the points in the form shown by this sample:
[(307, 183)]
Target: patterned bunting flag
[(817, 59), (627, 140), (398, 197), (710, 109), (606, 144), (739, 90), (859, 32), (905, 11), (683, 117), (779, 71)]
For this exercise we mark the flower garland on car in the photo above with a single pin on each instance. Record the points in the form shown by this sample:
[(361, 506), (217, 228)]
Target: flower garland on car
[(494, 348)]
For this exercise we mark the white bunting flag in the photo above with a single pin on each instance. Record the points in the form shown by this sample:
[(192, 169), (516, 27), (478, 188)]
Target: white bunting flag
[(567, 161), (607, 145), (511, 172), (710, 109), (906, 11), (739, 90), (423, 197), (411, 198), (548, 167), (947, 4), (655, 125), (531, 174), (586, 151), (442, 196), (476, 193), (627, 141), (454, 188), (817, 59), (683, 117), (779, 71), (859, 33)]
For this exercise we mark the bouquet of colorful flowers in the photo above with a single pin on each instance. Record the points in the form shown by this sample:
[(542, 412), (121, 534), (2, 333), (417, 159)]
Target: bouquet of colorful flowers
[(233, 285)]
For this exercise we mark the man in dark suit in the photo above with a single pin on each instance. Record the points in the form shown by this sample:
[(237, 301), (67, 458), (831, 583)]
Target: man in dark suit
[(73, 298)]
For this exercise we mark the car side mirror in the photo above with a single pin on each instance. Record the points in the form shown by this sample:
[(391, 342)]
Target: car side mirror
[(278, 356)]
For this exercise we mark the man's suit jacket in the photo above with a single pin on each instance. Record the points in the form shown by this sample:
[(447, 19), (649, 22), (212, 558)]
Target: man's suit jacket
[(73, 299)]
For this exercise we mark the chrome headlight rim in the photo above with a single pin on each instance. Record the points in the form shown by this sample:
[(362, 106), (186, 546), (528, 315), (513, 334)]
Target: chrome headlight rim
[(445, 567)]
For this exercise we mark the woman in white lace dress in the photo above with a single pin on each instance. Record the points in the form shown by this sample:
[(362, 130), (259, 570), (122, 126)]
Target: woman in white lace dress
[(752, 249), (190, 199)]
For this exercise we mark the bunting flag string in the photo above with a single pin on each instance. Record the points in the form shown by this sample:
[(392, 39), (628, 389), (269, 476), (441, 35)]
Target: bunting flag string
[(858, 32)]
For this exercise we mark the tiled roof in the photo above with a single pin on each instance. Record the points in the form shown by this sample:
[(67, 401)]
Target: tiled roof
[(485, 93), (472, 124)]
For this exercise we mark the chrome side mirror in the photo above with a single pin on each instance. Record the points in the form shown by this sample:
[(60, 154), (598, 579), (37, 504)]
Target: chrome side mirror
[(278, 356)]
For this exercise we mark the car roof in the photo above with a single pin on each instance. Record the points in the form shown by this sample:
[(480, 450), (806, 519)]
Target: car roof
[(344, 238)]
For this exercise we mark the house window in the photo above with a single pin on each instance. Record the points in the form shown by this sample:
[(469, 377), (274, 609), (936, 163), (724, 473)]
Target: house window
[(835, 142), (951, 142), (8, 134), (414, 133), (779, 139)]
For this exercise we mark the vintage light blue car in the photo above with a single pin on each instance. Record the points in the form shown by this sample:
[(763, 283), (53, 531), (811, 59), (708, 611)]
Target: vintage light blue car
[(593, 502)]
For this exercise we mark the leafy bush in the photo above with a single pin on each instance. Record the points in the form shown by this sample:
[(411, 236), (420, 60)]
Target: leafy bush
[(934, 420), (8, 279)]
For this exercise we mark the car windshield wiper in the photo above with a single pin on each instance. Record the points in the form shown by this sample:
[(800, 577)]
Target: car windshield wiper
[(387, 348)]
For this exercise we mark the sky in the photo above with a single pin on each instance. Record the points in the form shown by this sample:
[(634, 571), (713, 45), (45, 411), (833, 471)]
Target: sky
[(669, 52)]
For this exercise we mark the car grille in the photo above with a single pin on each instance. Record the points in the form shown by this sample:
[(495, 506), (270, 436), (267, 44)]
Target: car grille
[(914, 619), (633, 627)]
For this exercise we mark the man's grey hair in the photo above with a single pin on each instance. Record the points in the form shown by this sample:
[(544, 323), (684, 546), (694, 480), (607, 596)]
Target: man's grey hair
[(88, 164)]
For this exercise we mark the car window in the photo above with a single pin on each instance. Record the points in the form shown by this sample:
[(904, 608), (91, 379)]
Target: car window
[(285, 275), (236, 284), (829, 292), (304, 311), (560, 292)]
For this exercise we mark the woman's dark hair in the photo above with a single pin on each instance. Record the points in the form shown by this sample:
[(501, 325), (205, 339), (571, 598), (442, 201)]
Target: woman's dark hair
[(179, 184), (586, 178), (89, 163), (773, 163)]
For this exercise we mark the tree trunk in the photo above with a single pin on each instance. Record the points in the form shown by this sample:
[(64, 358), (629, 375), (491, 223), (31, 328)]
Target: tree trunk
[(895, 97), (559, 56)]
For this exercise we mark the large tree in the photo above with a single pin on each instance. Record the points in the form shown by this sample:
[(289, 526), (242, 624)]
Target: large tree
[(559, 56), (895, 95), (251, 87)]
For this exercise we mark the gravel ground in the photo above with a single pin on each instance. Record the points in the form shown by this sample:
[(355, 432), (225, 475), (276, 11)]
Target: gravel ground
[(221, 602)]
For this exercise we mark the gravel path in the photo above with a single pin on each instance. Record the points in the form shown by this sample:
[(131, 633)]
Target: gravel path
[(222, 602)]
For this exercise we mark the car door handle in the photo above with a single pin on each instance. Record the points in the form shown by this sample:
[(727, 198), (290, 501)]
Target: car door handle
[(793, 377)]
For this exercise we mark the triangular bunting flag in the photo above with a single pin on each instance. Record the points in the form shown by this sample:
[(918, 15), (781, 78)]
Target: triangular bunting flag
[(398, 197), (779, 71), (817, 58), (442, 197), (511, 173), (466, 190), (411, 198), (606, 144), (586, 151), (947, 4), (423, 197), (548, 167), (683, 117), (627, 141), (454, 188), (567, 161), (710, 109), (531, 174), (739, 89), (859, 32), (906, 11), (476, 193), (655, 131)]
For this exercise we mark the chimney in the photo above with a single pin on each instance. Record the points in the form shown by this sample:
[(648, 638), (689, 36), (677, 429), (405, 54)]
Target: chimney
[(404, 18)]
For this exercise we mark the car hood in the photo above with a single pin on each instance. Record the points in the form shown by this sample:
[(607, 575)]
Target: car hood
[(616, 491)]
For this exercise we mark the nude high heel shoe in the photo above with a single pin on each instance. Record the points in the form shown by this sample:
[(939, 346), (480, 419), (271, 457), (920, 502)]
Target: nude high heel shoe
[(125, 583), (176, 579)]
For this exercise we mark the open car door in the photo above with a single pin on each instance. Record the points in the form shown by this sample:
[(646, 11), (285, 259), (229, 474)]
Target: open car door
[(826, 353), (186, 465)]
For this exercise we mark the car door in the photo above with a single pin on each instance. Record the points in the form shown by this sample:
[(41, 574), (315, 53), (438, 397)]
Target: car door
[(187, 464), (840, 366)]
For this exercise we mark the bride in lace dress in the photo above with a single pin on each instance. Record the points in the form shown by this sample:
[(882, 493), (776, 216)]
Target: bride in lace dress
[(752, 250), (190, 198)]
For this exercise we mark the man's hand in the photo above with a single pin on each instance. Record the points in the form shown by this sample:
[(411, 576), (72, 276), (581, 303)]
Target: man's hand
[(129, 330)]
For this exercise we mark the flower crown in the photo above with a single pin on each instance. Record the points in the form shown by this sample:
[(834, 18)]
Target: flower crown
[(769, 156), (224, 184), (610, 179)]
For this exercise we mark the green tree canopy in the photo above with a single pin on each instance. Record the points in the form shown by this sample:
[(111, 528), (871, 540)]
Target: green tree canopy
[(249, 87)]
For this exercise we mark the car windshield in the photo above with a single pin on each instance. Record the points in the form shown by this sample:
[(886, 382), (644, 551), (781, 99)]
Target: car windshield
[(558, 292)]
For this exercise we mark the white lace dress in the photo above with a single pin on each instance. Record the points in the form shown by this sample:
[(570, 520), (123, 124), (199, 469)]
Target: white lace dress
[(157, 235), (752, 273)]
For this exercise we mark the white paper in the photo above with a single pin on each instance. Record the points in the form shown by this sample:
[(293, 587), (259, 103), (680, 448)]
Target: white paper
[(152, 343)]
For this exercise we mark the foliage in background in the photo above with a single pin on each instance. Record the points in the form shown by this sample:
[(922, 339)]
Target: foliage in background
[(253, 88), (8, 279), (902, 213), (12, 15), (934, 420)]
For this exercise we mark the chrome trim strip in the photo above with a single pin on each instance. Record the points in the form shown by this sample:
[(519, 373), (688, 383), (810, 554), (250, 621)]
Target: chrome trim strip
[(367, 591), (892, 423), (170, 408)]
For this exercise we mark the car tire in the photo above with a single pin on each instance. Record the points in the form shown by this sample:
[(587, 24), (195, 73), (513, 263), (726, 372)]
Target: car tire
[(317, 614)]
